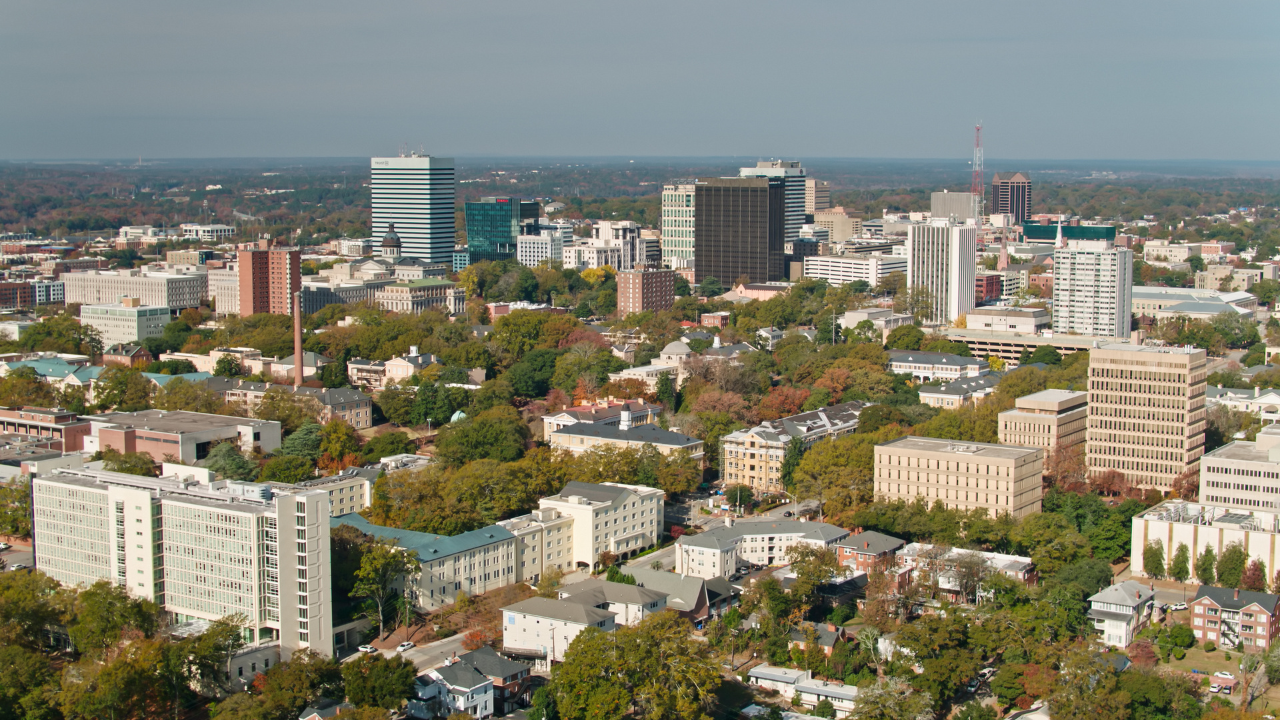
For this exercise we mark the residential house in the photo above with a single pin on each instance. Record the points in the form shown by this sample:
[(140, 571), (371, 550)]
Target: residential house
[(717, 552), (959, 392), (754, 457), (697, 599), (1236, 618), (350, 404), (800, 685), (376, 375), (455, 687), (126, 355), (938, 564), (675, 360), (1119, 612), (867, 551), (629, 603), (325, 708), (541, 629), (826, 634), (603, 412), (512, 681), (935, 365), (1264, 402)]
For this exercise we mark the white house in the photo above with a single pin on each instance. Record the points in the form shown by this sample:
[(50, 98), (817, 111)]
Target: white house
[(1120, 611), (629, 603), (455, 687), (541, 629), (800, 683), (716, 552)]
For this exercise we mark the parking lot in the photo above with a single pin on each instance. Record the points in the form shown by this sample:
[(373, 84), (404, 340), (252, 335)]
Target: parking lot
[(17, 556)]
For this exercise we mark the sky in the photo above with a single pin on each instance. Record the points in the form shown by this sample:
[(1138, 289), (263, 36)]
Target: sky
[(1085, 79)]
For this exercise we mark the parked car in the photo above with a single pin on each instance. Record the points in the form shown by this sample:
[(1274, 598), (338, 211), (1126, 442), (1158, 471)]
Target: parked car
[(367, 649), (1224, 674), (1215, 688), (406, 645), (19, 566), (1177, 606), (986, 673), (972, 686), (1226, 689), (786, 513), (4, 546)]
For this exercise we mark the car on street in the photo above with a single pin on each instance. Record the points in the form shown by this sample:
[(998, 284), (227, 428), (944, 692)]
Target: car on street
[(986, 673), (406, 645), (4, 546), (786, 513), (367, 649), (972, 686), (19, 566), (1215, 688), (1177, 606), (1226, 689), (1224, 674)]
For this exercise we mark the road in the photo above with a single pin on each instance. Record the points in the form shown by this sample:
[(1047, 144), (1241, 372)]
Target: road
[(425, 657)]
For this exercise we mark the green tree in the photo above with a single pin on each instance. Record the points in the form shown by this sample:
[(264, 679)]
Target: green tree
[(388, 444), (710, 287), (824, 709), (904, 337), (1100, 698), (303, 443), (1006, 684), (498, 433), (1180, 566), (975, 711), (1231, 565), (288, 687), (1153, 559), (133, 463), (1206, 566), (333, 375), (379, 681), (667, 391), (543, 706), (1090, 575), (228, 366), (289, 469), (181, 394), (226, 460), (738, 495), (892, 699), (103, 611), (29, 602), (338, 439), (290, 410), (791, 461), (124, 389), (22, 684), (1046, 354), (381, 566), (15, 507)]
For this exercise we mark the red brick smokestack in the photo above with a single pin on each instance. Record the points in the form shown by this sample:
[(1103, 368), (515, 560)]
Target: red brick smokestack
[(297, 339)]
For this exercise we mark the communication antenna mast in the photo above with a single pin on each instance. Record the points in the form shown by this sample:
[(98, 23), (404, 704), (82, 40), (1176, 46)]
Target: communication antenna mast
[(976, 186)]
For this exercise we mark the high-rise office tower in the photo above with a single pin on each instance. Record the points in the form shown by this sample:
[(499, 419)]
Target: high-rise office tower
[(817, 195), (268, 279), (677, 224), (959, 206), (942, 258), (494, 223), (739, 227), (1092, 288), (1011, 195), (793, 177), (417, 194), (1146, 412)]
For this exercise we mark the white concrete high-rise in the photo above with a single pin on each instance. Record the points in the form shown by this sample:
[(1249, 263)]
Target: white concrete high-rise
[(677, 224), (1092, 289), (417, 195), (942, 257), (795, 191)]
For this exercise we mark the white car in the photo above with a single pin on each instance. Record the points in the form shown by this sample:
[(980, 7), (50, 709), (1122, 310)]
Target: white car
[(406, 645), (1177, 606), (986, 673), (1224, 674), (4, 546), (1215, 688), (367, 649)]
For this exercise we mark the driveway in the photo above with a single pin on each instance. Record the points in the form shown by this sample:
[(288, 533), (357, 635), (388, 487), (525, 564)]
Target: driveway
[(666, 555)]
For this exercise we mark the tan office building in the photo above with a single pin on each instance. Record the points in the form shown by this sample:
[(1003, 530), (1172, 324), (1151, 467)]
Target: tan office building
[(1146, 412), (965, 476), (1048, 419)]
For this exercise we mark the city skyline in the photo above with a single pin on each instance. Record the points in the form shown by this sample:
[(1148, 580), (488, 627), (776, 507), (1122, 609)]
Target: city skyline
[(332, 81)]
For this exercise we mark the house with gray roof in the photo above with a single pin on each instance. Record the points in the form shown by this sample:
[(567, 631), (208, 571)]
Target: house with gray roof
[(1236, 618), (697, 599), (540, 629), (926, 366), (473, 562), (719, 551), (512, 688), (863, 551), (959, 392), (581, 437), (629, 603), (455, 687), (1119, 612), (350, 404)]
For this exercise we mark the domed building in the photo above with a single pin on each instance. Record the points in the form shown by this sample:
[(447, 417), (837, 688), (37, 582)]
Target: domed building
[(391, 243)]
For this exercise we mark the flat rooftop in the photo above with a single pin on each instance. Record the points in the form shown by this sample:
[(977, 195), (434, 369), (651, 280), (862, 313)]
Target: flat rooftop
[(963, 449), (173, 421), (1239, 450)]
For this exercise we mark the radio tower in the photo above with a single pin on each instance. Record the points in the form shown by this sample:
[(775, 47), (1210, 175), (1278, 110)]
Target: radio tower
[(976, 186)]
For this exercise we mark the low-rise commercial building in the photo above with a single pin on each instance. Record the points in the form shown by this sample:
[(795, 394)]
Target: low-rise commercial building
[(66, 430), (842, 269), (186, 436), (717, 552), (966, 476), (1049, 419), (882, 320)]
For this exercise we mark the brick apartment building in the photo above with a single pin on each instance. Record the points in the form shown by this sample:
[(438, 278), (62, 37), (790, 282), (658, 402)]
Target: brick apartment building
[(643, 289), (1235, 618), (268, 279)]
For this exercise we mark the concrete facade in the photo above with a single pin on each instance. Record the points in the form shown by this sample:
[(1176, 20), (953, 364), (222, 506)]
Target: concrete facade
[(966, 476), (1049, 419)]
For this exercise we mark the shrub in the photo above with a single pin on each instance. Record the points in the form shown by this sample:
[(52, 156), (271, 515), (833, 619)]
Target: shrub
[(1226, 656), (1210, 646), (1179, 653)]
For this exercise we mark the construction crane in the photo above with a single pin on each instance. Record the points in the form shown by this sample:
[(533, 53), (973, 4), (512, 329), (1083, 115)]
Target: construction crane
[(976, 186)]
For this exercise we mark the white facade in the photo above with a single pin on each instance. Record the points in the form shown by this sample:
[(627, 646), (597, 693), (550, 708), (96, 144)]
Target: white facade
[(545, 628), (794, 191), (677, 225), (544, 539), (1120, 611), (548, 244), (207, 233), (1028, 321), (587, 254), (201, 549), (174, 291), (1092, 289), (716, 552), (354, 247), (417, 194), (608, 517), (121, 323), (49, 292), (841, 269), (224, 290), (942, 258)]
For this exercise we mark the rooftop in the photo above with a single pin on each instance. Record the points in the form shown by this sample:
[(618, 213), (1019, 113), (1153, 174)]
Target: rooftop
[(1230, 599), (174, 421), (649, 434), (563, 610), (932, 358), (427, 545), (871, 542), (597, 592), (726, 536), (1129, 593), (953, 447)]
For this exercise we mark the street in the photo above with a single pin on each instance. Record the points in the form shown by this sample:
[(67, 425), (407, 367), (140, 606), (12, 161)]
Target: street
[(424, 657)]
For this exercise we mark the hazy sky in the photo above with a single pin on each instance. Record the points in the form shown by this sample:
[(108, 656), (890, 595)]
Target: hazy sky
[(1113, 79)]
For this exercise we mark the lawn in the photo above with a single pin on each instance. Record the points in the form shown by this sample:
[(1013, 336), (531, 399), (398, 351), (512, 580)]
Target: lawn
[(1207, 664)]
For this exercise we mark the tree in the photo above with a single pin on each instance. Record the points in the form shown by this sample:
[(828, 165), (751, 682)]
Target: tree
[(549, 584), (667, 391), (824, 709), (181, 394), (379, 681), (303, 443), (975, 711), (1180, 566), (132, 463), (226, 460), (1046, 354), (904, 337), (498, 433), (29, 601), (124, 389), (333, 375), (15, 507), (738, 495), (1006, 684), (287, 469), (813, 568), (228, 366), (388, 444), (917, 301), (338, 440), (791, 461), (1153, 559), (1090, 575), (1099, 697), (1231, 565), (1255, 576), (288, 687), (103, 612), (710, 287), (22, 683), (892, 699), (1206, 566), (382, 565), (290, 410)]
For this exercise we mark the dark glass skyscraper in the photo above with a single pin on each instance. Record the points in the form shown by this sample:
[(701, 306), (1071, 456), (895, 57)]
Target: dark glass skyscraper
[(1011, 193), (740, 229), (493, 225)]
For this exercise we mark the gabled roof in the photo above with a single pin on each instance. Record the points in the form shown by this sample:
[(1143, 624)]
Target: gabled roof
[(429, 547), (1229, 599), (1129, 593), (491, 664), (871, 542), (598, 592), (460, 676), (727, 536), (683, 591), (825, 635), (325, 708), (563, 610), (964, 386), (651, 434), (932, 358)]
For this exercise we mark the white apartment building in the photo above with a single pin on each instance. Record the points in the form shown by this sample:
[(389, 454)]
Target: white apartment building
[(350, 491), (719, 551), (1147, 412), (49, 292), (1092, 289), (206, 233), (794, 191), (542, 629), (127, 322), (942, 258), (547, 245), (417, 195), (354, 247), (841, 269), (677, 224), (202, 549), (172, 290), (586, 254), (609, 517), (544, 539), (224, 289), (883, 320)]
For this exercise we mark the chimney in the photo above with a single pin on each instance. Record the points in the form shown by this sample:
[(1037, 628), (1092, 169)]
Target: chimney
[(715, 342), (831, 627), (866, 545), (1237, 593), (297, 339), (624, 421), (413, 351)]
